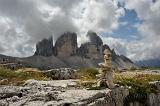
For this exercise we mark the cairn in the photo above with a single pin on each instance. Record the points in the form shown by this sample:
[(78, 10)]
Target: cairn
[(106, 72)]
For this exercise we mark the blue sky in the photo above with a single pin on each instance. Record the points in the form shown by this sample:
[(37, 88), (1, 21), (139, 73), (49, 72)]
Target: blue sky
[(128, 31), (138, 33), (127, 28)]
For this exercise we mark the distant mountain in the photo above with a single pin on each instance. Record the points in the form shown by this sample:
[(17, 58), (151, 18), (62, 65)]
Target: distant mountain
[(65, 53), (149, 63)]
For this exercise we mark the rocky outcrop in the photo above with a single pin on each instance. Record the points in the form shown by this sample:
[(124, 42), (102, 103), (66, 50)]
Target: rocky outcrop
[(144, 99), (61, 73), (66, 45), (44, 47), (68, 92), (155, 84), (93, 48), (59, 93)]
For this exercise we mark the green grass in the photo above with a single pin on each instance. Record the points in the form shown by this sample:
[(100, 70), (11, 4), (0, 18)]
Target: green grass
[(8, 77), (150, 68), (87, 74), (138, 83), (87, 77)]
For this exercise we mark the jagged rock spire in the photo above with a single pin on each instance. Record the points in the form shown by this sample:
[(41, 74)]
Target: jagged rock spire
[(66, 45), (45, 47), (93, 48)]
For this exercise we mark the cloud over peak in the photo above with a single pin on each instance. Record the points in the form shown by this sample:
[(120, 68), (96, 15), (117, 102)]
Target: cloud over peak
[(37, 19), (25, 22)]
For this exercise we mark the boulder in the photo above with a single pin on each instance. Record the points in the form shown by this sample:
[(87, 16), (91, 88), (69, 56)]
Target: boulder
[(44, 47), (61, 73), (155, 84), (66, 45)]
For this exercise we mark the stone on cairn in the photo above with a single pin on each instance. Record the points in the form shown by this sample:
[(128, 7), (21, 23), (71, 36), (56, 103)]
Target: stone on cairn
[(106, 73)]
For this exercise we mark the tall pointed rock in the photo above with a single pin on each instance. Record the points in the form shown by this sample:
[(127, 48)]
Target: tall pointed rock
[(45, 47), (66, 45), (93, 48)]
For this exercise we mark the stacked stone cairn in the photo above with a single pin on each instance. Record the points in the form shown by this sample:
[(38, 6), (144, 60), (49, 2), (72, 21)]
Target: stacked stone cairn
[(106, 72)]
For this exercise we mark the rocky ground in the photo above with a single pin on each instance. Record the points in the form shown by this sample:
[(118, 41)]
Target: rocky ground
[(66, 90), (140, 72), (59, 93)]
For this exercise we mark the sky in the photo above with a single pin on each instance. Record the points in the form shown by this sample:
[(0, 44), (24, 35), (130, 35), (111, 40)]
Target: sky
[(130, 27)]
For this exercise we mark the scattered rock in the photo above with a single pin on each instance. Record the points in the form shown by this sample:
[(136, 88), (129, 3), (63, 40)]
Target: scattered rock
[(14, 98), (155, 84), (52, 93), (10, 91), (153, 99), (61, 74)]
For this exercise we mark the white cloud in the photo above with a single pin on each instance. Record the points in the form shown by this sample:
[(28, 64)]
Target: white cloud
[(133, 49), (24, 22), (123, 23), (118, 44), (27, 21), (148, 46), (149, 30), (100, 16)]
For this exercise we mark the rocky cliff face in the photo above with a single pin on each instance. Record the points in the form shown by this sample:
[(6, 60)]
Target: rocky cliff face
[(44, 47), (93, 48), (66, 45)]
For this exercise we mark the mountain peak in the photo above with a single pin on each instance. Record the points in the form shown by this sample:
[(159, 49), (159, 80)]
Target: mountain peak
[(66, 45), (94, 38), (45, 47)]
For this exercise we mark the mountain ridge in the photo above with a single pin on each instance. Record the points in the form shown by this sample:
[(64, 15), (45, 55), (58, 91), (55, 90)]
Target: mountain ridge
[(66, 53)]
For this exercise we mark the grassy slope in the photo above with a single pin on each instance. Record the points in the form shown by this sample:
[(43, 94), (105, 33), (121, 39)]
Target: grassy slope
[(17, 77), (137, 82)]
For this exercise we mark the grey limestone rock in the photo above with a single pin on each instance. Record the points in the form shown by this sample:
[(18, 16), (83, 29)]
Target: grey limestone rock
[(61, 73), (44, 47), (66, 45), (93, 48)]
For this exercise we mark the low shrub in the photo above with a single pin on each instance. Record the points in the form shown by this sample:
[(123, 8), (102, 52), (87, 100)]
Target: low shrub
[(87, 74), (13, 77), (138, 83)]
